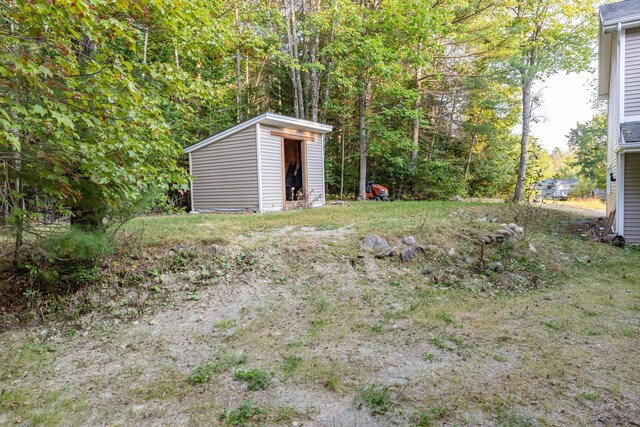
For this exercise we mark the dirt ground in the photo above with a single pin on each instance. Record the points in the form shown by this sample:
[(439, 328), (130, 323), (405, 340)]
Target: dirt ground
[(343, 338)]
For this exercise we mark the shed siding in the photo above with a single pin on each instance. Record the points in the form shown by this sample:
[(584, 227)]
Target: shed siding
[(632, 197), (315, 165), (315, 171), (271, 158), (225, 173), (632, 73)]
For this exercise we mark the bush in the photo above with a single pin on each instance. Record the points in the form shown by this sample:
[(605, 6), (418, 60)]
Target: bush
[(76, 246)]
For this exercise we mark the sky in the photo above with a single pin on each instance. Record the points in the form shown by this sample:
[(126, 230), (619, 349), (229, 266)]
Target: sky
[(566, 100)]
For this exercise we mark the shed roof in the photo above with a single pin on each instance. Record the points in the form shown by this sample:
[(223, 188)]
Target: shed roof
[(267, 119)]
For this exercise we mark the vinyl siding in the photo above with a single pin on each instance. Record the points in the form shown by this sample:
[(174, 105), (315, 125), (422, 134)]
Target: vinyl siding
[(271, 159), (315, 171), (315, 166), (632, 197), (632, 73), (225, 173)]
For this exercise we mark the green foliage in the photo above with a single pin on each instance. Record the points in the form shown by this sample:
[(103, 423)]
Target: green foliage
[(376, 397), (256, 379), (589, 142), (205, 372), (76, 246), (243, 413)]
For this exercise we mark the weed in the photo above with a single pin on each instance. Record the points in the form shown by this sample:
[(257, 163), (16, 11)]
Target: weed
[(246, 261), (257, 379), (290, 364), (445, 317), (511, 418), (224, 324), (432, 417), (207, 371), (439, 343), (554, 325), (321, 305), (588, 396), (194, 296), (499, 358), (243, 413), (430, 357), (286, 413), (377, 398)]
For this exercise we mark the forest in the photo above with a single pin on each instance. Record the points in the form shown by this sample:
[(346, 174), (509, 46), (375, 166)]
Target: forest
[(98, 98)]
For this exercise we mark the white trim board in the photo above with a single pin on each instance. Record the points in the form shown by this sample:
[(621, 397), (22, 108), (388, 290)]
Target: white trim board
[(266, 118)]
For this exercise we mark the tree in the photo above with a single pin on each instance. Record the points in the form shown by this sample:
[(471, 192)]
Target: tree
[(589, 141), (549, 36)]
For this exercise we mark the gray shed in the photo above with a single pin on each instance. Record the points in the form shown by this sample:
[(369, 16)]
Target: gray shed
[(268, 163)]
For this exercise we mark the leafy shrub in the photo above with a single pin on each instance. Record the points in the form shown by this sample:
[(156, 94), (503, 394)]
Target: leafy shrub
[(377, 398), (76, 246), (242, 414)]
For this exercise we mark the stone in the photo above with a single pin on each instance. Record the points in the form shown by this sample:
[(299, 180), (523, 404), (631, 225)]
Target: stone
[(407, 254), (409, 241), (385, 252), (375, 242), (427, 271)]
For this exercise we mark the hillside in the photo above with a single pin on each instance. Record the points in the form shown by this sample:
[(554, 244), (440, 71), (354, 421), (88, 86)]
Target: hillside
[(286, 319)]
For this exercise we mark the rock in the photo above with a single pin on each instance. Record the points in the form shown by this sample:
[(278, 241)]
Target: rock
[(469, 260), (516, 229), (451, 252), (409, 241), (495, 266), (385, 252), (618, 242), (427, 271), (532, 248), (407, 254), (375, 242), (506, 233)]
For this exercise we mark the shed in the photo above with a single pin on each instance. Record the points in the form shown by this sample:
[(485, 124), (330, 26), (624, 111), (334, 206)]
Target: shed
[(268, 163)]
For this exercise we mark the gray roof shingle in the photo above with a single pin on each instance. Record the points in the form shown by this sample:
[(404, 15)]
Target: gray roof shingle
[(617, 12), (630, 131)]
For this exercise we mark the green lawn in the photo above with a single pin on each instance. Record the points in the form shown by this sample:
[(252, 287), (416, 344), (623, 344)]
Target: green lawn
[(280, 318)]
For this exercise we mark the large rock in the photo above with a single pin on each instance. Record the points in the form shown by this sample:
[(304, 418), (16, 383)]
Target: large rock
[(407, 254), (409, 241), (375, 242)]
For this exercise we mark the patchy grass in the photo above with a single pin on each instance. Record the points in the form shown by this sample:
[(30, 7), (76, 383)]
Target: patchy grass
[(544, 338)]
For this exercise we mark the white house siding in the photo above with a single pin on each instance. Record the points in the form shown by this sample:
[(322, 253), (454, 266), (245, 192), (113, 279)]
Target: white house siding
[(632, 197), (632, 73), (315, 171), (225, 173), (271, 159)]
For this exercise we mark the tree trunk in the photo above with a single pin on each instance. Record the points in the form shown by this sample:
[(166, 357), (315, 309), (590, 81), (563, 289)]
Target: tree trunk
[(315, 87), (341, 141), (238, 85), (325, 102), (238, 70), (415, 134), (524, 141), (364, 140), (146, 41)]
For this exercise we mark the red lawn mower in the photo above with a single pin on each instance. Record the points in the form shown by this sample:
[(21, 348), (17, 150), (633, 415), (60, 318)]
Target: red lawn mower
[(377, 192)]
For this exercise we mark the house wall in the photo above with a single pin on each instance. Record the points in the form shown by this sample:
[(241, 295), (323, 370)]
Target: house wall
[(632, 72), (632, 197), (225, 173), (272, 190), (271, 160), (612, 190)]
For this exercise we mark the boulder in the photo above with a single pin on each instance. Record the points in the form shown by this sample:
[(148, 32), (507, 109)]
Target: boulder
[(409, 241), (375, 242), (385, 252), (407, 254)]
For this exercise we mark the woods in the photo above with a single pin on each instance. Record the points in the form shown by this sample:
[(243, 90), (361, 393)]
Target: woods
[(99, 97)]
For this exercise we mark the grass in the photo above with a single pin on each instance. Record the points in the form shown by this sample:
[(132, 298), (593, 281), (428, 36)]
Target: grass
[(256, 379), (453, 346)]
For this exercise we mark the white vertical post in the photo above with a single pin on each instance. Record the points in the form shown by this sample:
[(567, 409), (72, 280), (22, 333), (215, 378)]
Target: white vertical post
[(193, 208)]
